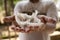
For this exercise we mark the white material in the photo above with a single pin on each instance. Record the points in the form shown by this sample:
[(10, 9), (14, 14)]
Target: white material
[(21, 16)]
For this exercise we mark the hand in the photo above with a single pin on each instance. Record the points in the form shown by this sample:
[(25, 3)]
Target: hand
[(46, 19), (15, 26), (9, 19), (27, 29)]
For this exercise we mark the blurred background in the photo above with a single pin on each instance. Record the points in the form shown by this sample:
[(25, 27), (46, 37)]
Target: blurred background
[(6, 9)]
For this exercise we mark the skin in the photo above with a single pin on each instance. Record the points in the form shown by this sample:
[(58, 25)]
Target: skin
[(34, 1), (17, 28)]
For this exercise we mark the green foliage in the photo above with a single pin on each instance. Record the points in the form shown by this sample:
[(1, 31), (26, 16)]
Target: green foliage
[(1, 5), (7, 6), (55, 1), (15, 1), (1, 2)]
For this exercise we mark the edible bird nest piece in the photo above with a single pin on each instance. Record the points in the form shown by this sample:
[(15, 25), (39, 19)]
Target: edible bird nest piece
[(28, 20)]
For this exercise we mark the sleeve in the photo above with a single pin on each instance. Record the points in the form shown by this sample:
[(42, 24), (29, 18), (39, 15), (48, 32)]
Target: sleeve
[(17, 8), (18, 13), (19, 16), (52, 12)]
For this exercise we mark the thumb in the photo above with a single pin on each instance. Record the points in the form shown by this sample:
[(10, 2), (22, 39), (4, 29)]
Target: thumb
[(42, 18)]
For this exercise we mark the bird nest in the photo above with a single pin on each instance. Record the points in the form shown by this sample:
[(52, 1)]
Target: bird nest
[(28, 22)]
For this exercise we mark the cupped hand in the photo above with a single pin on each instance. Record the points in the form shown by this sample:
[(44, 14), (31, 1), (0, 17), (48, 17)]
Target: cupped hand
[(46, 19), (16, 27)]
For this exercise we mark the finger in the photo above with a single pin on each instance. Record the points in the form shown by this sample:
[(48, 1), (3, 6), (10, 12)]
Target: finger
[(54, 21), (6, 20), (12, 18), (51, 20), (29, 29), (43, 18), (36, 28), (13, 27), (17, 29), (22, 30), (9, 18), (15, 23)]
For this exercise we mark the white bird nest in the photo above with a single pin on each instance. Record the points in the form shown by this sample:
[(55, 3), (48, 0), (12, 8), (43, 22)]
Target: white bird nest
[(28, 20)]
